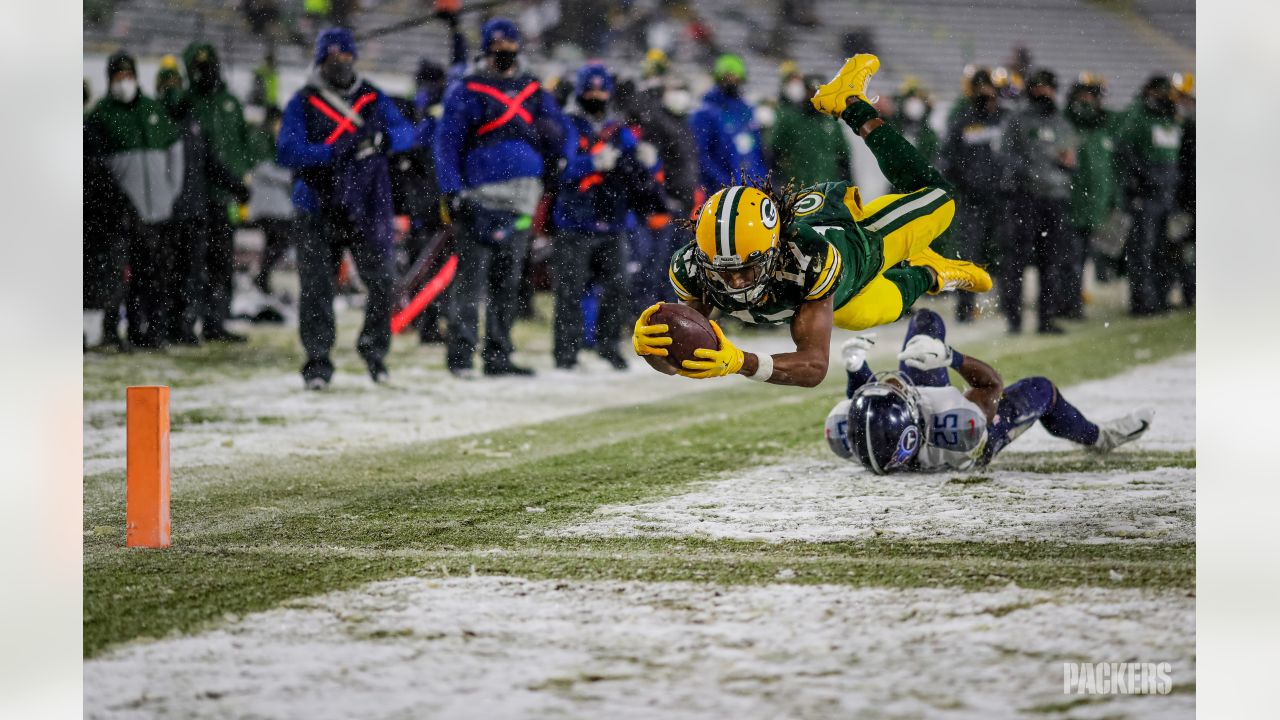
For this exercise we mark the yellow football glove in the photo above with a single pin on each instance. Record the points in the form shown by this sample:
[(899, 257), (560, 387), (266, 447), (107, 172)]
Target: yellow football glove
[(650, 339), (725, 361)]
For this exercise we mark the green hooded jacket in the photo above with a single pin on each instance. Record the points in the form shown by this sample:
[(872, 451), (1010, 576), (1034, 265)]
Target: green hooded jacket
[(220, 114), (1147, 149), (1094, 190), (808, 146), (142, 147)]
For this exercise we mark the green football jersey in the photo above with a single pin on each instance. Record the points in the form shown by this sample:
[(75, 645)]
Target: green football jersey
[(824, 252)]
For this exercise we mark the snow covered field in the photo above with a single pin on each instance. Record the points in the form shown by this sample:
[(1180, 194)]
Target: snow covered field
[(494, 647), (1168, 386), (601, 591), (827, 499), (505, 647), (273, 417)]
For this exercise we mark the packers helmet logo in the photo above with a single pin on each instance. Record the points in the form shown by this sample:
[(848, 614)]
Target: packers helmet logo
[(809, 203), (768, 214)]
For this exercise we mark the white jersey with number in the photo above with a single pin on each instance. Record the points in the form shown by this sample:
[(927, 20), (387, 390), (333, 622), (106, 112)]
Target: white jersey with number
[(955, 430)]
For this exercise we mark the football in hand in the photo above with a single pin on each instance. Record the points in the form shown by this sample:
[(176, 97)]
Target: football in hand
[(688, 330)]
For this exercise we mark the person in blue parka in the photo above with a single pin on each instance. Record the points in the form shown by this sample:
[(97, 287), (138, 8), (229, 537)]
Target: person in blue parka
[(491, 151), (335, 136)]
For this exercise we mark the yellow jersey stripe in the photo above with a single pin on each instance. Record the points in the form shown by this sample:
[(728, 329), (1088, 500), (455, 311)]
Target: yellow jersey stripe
[(832, 277), (829, 273), (681, 292)]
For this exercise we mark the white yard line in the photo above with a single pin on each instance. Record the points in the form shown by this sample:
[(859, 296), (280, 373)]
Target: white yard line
[(488, 647), (828, 499)]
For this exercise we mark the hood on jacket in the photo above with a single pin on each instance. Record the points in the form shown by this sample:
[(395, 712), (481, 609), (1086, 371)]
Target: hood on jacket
[(204, 70)]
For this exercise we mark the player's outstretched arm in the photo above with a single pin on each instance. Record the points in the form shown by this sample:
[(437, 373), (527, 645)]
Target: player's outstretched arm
[(985, 385), (807, 366), (924, 352)]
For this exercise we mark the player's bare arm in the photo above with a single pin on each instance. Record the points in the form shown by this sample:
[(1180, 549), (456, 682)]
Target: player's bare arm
[(985, 385), (807, 366)]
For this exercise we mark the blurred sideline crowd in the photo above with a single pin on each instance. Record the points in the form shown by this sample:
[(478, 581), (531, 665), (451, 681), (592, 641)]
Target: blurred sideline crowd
[(488, 184)]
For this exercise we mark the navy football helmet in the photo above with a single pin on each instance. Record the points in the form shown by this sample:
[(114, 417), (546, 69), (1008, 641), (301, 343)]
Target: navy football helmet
[(885, 424)]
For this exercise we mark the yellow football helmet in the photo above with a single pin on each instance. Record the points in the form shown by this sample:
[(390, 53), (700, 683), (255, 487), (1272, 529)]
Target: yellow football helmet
[(655, 63), (1185, 84), (738, 242), (1092, 79)]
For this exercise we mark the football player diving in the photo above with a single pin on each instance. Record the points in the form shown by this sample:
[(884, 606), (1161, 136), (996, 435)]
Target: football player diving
[(816, 257), (914, 420)]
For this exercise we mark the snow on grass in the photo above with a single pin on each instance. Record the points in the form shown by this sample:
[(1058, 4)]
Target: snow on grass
[(1168, 386), (828, 499), (495, 647), (272, 416)]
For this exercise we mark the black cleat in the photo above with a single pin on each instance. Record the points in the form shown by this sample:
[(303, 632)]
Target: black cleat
[(378, 371), (613, 357), (504, 366)]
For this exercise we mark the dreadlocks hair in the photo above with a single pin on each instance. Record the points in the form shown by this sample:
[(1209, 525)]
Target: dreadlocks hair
[(784, 198)]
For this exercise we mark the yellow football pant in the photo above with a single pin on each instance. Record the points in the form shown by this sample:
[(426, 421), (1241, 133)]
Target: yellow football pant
[(912, 222)]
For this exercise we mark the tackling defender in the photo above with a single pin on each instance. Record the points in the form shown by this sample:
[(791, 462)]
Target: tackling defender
[(914, 420), (814, 257)]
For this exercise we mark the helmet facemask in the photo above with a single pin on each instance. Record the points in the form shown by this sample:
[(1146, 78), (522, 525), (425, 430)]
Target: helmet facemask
[(743, 281)]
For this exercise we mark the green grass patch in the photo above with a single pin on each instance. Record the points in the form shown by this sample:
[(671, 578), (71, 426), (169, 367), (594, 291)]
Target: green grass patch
[(186, 589), (969, 480)]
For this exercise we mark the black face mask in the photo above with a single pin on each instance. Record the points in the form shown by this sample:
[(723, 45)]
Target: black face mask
[(204, 77), (503, 60), (1162, 107), (432, 93), (171, 98), (732, 90), (593, 106), (1084, 114), (338, 73), (1044, 104), (985, 104)]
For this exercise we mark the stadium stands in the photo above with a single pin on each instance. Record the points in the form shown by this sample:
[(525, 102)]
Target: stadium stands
[(931, 39)]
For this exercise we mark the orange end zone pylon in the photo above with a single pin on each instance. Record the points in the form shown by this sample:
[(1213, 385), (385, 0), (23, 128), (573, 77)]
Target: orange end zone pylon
[(147, 496)]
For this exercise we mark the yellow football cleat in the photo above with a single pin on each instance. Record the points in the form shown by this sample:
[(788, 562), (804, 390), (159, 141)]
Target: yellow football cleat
[(953, 274), (850, 82)]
